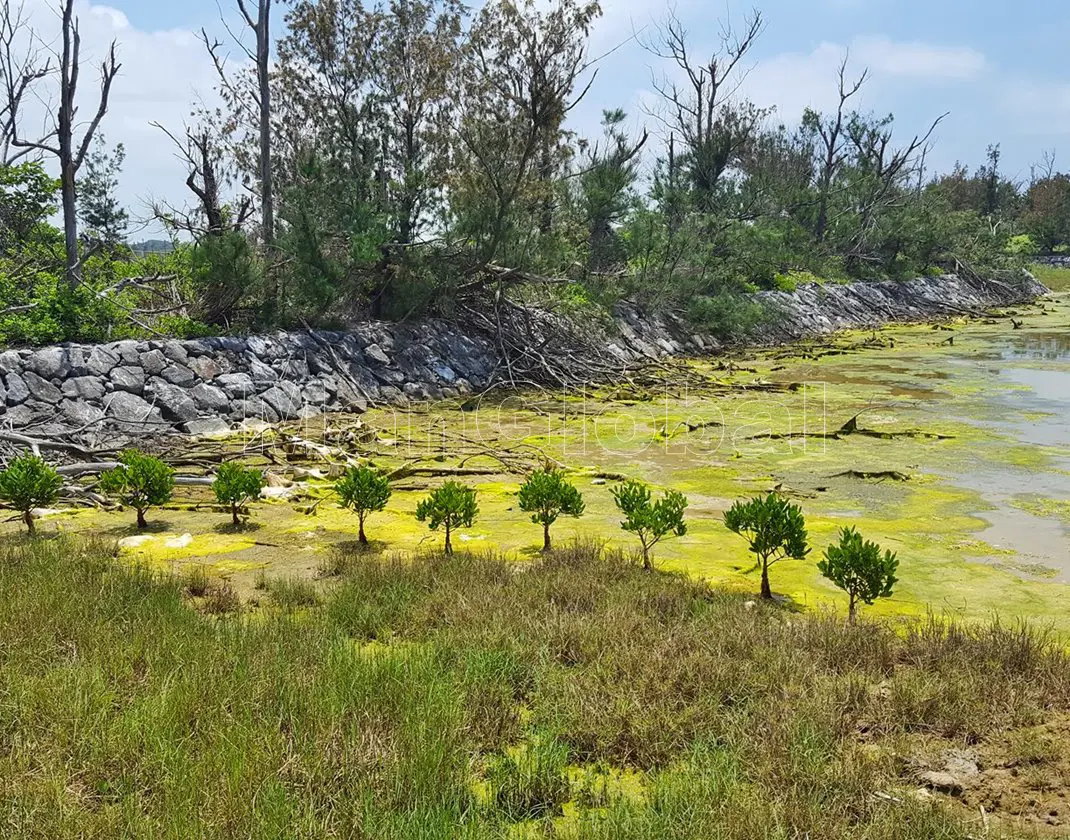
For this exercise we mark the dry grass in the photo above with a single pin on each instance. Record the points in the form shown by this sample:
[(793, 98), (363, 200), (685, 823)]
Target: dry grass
[(457, 697)]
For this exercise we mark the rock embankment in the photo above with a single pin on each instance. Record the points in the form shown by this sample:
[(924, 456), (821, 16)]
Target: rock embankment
[(209, 385)]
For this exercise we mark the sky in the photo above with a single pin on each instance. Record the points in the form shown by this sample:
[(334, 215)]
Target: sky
[(999, 68)]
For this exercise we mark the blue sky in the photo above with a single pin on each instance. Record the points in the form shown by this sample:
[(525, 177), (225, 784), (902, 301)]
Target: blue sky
[(1001, 69)]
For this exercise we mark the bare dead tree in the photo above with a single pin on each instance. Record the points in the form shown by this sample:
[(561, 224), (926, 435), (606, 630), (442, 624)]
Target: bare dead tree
[(833, 143), (260, 55), (22, 63), (61, 142), (715, 130), (201, 156), (887, 169)]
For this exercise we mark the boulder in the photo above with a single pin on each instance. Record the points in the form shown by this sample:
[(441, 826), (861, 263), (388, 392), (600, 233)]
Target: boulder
[(50, 363), (174, 402), (285, 398), (102, 361), (210, 398), (17, 390), (128, 378), (80, 413), (83, 388), (374, 354), (175, 352), (206, 426), (253, 410), (205, 367), (178, 374), (41, 389), (130, 408), (153, 362), (236, 384), (262, 374)]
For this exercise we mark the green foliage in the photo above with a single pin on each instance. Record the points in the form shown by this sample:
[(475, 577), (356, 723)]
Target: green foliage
[(140, 481), (103, 217), (364, 491), (223, 271), (859, 568), (648, 520), (27, 199), (451, 506), (530, 782), (546, 495), (29, 482), (727, 316), (775, 530), (236, 486)]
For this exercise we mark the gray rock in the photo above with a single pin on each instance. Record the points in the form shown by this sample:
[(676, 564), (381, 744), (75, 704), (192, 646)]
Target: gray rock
[(83, 388), (178, 375), (174, 402), (102, 361), (205, 367), (374, 353), (206, 426), (264, 346), (20, 416), (41, 389), (128, 378), (129, 408), (17, 390), (153, 362), (209, 397), (175, 352), (253, 408), (80, 413), (284, 398), (10, 361), (314, 393), (349, 397), (3, 394), (444, 372), (262, 374), (236, 384), (296, 369), (128, 352), (50, 363)]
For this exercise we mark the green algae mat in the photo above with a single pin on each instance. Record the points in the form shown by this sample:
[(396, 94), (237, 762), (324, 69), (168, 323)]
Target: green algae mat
[(948, 443)]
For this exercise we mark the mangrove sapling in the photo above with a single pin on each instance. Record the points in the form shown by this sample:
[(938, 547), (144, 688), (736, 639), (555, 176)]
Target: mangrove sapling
[(775, 529), (236, 486), (650, 521), (364, 491), (140, 481), (29, 482), (451, 506), (858, 567), (546, 495)]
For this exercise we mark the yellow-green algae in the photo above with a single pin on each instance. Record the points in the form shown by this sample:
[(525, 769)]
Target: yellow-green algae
[(714, 446)]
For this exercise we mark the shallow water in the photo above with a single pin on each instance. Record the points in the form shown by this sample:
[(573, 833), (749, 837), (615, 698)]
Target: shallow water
[(979, 427)]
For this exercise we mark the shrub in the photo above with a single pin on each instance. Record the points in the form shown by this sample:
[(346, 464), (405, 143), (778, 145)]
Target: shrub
[(363, 490), (858, 568), (236, 486), (775, 529), (546, 495), (451, 506), (139, 481), (29, 482), (650, 521)]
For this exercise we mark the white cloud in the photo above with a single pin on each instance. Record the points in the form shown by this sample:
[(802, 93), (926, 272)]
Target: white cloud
[(162, 74), (918, 60)]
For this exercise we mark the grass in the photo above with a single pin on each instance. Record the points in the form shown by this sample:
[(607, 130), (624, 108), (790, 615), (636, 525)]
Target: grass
[(1055, 278), (575, 696)]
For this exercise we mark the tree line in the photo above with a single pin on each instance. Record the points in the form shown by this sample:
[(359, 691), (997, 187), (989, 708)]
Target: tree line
[(391, 158)]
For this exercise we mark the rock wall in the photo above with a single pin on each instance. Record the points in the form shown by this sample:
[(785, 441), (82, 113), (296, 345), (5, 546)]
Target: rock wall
[(129, 388)]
